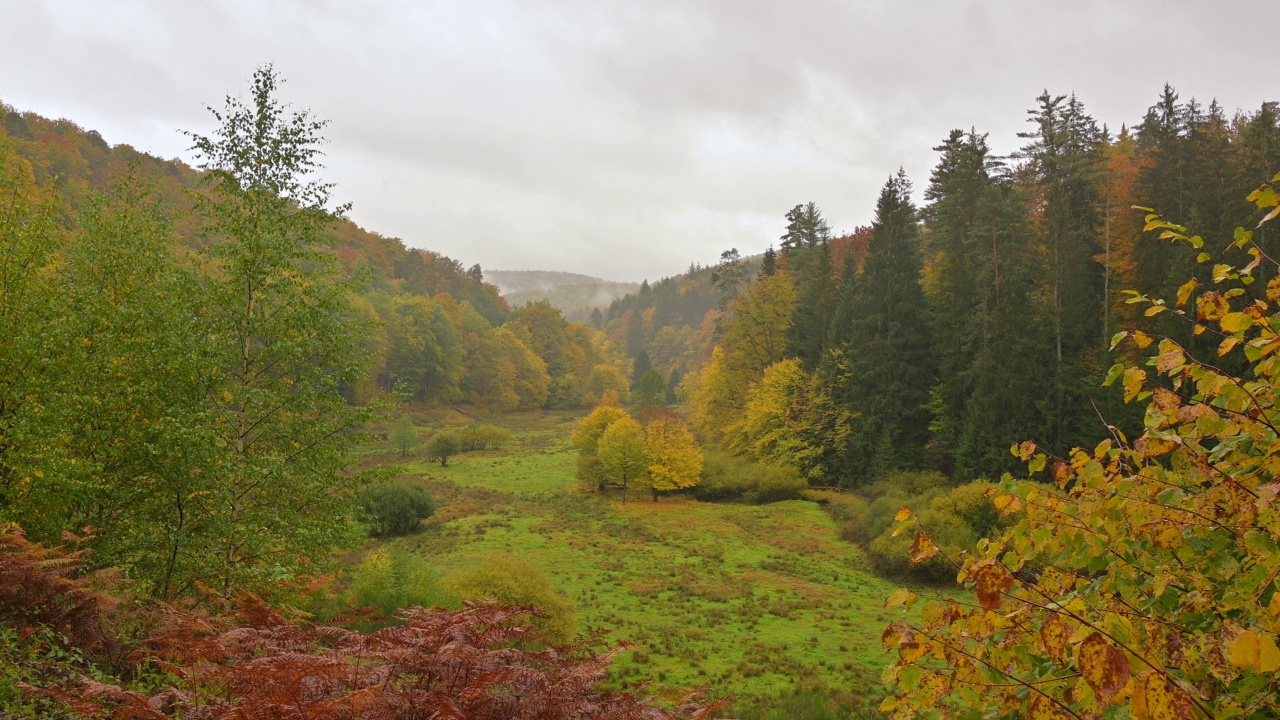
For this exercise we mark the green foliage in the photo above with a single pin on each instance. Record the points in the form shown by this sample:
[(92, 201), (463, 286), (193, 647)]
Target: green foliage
[(603, 379), (444, 446), (727, 477), (622, 453), (881, 366), (392, 581), (404, 436), (673, 458), (651, 390), (512, 580), (394, 508)]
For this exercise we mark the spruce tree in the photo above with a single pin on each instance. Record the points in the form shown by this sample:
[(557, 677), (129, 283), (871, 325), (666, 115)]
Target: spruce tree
[(883, 371), (1063, 173), (988, 333)]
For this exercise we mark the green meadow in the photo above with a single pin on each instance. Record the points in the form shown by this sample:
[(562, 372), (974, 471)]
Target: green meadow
[(758, 601)]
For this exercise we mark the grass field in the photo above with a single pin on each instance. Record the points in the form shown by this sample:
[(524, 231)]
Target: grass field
[(757, 601)]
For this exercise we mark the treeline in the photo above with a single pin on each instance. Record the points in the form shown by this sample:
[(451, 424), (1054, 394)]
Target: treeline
[(945, 333), (435, 329)]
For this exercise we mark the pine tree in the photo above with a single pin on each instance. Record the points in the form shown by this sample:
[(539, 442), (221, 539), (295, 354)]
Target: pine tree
[(769, 263)]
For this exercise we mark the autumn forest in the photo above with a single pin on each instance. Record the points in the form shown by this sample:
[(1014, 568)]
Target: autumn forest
[(1009, 450)]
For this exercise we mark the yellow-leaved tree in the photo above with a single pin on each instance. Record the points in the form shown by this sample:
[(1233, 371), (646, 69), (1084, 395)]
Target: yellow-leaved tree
[(675, 462), (586, 438), (622, 453), (1140, 577)]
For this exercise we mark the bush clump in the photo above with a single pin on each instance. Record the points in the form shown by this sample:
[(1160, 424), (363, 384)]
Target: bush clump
[(393, 581), (727, 477), (390, 509), (512, 580), (482, 436), (956, 517)]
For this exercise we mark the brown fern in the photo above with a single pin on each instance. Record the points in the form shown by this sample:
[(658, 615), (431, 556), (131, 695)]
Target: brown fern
[(479, 663)]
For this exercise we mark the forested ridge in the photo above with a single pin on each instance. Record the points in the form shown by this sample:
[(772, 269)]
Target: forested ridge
[(942, 333), (1053, 378)]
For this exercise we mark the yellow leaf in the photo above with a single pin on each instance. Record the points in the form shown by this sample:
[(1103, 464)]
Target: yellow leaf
[(1141, 339), (1026, 450), (1236, 322), (922, 548), (1054, 635), (1134, 378), (1244, 651), (900, 597), (903, 514), (1273, 289), (1104, 666), (1006, 504), (1184, 292), (1212, 306), (1226, 346), (1268, 655), (1170, 358), (1155, 699)]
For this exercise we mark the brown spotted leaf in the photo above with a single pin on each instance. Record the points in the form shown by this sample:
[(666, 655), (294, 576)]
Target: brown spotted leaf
[(991, 579), (1104, 666), (1053, 633), (1042, 708), (1212, 306), (922, 548), (1155, 699), (1165, 400)]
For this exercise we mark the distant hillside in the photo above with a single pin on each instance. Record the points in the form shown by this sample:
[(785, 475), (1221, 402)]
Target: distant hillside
[(575, 295), (79, 162)]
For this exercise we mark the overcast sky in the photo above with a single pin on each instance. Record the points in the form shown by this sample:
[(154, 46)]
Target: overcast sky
[(624, 139)]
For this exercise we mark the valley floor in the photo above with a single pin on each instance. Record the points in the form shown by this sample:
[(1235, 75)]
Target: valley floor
[(754, 600)]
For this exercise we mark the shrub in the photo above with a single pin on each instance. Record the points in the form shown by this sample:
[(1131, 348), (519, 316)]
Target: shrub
[(512, 580), (956, 520), (852, 514), (390, 509), (726, 477), (443, 447), (482, 436), (393, 581), (891, 555)]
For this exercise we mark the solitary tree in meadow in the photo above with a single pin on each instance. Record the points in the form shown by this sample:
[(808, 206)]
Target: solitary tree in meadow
[(443, 447), (404, 437)]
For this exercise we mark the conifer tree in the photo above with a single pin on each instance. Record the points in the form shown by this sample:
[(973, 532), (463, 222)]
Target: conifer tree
[(885, 364), (986, 331), (1063, 172)]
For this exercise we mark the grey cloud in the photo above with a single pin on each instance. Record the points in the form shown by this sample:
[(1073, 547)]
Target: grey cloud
[(624, 140)]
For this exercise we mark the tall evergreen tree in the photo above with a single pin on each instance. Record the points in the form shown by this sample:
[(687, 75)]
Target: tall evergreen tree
[(769, 263), (1063, 172), (988, 343), (883, 371)]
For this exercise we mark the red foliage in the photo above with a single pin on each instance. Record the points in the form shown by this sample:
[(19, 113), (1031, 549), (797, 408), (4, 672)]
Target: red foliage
[(479, 663), (48, 587)]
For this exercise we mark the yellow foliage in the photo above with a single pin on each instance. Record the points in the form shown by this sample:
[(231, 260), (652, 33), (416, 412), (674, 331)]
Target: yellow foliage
[(675, 462)]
